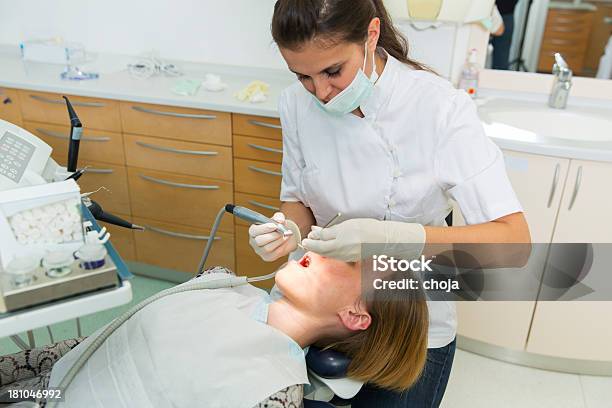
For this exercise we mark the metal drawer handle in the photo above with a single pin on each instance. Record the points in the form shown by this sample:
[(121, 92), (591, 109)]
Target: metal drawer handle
[(561, 42), (264, 124), (180, 185), (61, 102), (576, 188), (262, 205), (265, 148), (172, 150), (99, 171), (567, 30), (564, 20), (264, 171), (180, 234), (58, 135), (173, 114), (553, 188)]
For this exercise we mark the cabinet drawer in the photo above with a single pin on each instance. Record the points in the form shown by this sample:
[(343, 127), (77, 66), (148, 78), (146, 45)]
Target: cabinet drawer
[(179, 157), (9, 106), (192, 125), (569, 17), (102, 114), (180, 248), (248, 263), (576, 33), (186, 200), (96, 145), (114, 178), (265, 205), (257, 177), (254, 148), (258, 126), (122, 238)]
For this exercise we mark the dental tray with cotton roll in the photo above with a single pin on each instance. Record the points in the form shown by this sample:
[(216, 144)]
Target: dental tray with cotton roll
[(46, 253), (40, 286)]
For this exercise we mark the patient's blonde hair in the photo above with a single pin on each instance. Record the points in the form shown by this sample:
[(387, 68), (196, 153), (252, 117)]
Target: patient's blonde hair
[(392, 352)]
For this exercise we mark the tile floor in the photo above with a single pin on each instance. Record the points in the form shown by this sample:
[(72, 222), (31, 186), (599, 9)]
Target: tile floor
[(481, 382)]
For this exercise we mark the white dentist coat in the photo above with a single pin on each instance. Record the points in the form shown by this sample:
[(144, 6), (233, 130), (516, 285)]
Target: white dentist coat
[(420, 144)]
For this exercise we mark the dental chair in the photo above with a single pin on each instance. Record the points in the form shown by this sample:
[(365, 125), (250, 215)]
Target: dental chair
[(330, 387)]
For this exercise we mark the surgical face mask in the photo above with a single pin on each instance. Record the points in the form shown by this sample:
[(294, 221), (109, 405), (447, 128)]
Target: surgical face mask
[(353, 95)]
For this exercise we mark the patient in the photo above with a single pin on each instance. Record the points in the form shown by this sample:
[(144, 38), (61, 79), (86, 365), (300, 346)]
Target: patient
[(164, 355)]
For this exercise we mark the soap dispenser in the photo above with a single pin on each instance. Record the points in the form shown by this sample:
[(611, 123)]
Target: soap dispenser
[(469, 74)]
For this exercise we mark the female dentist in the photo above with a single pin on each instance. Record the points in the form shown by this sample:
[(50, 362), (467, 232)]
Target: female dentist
[(372, 134)]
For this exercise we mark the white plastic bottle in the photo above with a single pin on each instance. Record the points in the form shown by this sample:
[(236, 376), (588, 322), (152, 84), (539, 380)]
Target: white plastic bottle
[(469, 74)]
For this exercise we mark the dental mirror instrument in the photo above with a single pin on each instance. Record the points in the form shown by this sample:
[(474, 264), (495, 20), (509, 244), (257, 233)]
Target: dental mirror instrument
[(331, 223)]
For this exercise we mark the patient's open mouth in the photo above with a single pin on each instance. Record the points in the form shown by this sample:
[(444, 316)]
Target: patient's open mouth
[(305, 262)]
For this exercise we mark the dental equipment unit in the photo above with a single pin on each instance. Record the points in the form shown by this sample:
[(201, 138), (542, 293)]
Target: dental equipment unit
[(49, 249)]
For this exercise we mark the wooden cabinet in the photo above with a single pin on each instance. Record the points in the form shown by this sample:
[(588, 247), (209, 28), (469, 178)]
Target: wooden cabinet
[(257, 177), (96, 145), (192, 125), (185, 200), (9, 106), (579, 329), (95, 113), (600, 35), (257, 126), (254, 148), (180, 247), (174, 156), (566, 32), (257, 172)]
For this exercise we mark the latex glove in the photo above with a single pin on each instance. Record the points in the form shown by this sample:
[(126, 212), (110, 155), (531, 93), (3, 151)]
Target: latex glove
[(270, 244), (343, 241)]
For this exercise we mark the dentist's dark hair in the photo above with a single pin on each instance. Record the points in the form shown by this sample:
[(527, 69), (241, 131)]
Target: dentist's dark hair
[(296, 22)]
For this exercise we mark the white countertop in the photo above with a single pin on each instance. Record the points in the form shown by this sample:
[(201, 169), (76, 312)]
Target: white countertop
[(116, 83)]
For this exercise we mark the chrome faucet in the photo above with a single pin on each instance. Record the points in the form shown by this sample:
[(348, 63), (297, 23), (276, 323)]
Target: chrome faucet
[(562, 83)]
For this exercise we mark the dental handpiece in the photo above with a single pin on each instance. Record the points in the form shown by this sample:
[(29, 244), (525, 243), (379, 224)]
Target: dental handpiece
[(256, 218)]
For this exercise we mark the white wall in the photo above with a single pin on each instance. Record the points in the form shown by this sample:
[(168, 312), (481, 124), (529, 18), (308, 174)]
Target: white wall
[(234, 32)]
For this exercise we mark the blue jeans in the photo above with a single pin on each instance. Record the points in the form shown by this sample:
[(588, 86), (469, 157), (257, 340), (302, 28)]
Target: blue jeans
[(503, 43), (426, 393)]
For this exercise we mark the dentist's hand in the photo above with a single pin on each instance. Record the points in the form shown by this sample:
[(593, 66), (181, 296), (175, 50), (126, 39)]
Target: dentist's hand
[(270, 244), (343, 241)]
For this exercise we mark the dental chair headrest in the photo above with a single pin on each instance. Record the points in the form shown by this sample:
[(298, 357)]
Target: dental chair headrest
[(327, 363)]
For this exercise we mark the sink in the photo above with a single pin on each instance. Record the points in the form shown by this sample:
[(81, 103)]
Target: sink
[(532, 121)]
